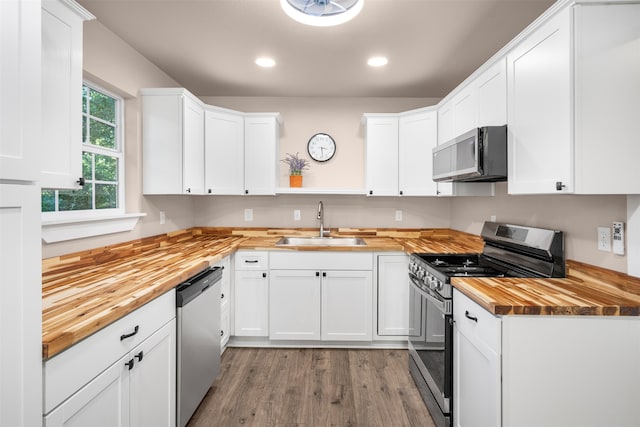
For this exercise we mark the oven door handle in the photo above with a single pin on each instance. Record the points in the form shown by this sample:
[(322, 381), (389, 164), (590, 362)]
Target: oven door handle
[(441, 305)]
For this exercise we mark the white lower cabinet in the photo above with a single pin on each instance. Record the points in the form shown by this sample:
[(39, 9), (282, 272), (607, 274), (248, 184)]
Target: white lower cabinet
[(225, 297), (321, 296), (476, 366), (251, 294), (347, 305), (552, 371), (392, 299), (294, 302), (135, 388)]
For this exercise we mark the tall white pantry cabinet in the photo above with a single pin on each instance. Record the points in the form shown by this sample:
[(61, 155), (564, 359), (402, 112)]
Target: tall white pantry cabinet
[(20, 251)]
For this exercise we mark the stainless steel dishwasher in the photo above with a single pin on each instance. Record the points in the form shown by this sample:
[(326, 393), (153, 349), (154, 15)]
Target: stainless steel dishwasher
[(198, 340)]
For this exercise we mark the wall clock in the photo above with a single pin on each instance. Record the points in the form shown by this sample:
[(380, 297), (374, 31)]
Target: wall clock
[(321, 147)]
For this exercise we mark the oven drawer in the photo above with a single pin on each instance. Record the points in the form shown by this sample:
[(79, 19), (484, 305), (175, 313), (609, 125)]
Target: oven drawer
[(473, 320)]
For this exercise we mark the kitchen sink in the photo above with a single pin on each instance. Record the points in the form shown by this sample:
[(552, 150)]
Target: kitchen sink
[(321, 241)]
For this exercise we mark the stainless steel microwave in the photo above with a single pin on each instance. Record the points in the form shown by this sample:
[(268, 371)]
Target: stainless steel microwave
[(477, 155)]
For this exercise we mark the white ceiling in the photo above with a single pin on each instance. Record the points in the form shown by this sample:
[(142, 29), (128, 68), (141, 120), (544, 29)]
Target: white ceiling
[(209, 46)]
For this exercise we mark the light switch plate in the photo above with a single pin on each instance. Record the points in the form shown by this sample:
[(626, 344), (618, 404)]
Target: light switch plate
[(296, 214)]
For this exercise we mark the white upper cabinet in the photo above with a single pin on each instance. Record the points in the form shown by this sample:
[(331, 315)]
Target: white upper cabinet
[(224, 152), (172, 142), (445, 122), (261, 136), (539, 94), (19, 90), (381, 155), (418, 134), (61, 148), (573, 89), (465, 110), (491, 89)]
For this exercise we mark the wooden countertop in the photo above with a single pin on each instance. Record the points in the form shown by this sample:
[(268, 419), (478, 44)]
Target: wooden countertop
[(587, 290), (85, 291)]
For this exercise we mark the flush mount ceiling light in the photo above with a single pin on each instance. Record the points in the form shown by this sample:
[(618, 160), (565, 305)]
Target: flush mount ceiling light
[(377, 61), (322, 13), (265, 62)]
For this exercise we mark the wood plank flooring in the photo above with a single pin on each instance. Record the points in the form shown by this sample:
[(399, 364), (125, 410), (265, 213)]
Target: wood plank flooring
[(312, 387)]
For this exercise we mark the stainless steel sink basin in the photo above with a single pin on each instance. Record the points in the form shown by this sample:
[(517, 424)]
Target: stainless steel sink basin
[(321, 241)]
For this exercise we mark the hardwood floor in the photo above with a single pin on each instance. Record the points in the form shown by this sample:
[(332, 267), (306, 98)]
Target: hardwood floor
[(312, 387)]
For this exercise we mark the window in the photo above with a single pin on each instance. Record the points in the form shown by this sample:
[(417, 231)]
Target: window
[(102, 159)]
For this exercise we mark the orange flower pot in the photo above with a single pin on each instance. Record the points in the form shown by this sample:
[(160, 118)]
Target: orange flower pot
[(295, 180)]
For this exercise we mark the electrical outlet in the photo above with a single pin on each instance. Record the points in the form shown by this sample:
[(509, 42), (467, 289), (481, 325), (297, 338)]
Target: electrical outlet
[(492, 218), (398, 215), (618, 238), (248, 214), (162, 217), (604, 239), (296, 214)]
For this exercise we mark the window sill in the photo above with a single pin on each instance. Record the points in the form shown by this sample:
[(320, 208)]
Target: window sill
[(69, 229)]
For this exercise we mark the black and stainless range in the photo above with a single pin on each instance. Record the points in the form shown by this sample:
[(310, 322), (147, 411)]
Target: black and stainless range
[(509, 251)]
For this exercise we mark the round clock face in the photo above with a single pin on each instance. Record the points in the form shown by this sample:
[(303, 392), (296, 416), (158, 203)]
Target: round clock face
[(321, 147)]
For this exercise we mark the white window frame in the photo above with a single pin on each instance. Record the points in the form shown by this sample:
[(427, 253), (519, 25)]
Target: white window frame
[(67, 225)]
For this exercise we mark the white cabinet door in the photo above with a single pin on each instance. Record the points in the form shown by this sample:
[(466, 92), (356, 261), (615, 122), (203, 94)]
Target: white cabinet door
[(347, 305), (381, 156), (476, 365), (193, 146), (492, 95), (152, 379), (251, 303), (418, 134), (103, 402), (465, 110), (261, 135), (393, 296), (607, 98), (445, 123), (20, 305), (539, 88), (61, 148), (172, 142), (20, 90), (224, 152), (294, 305), (225, 297)]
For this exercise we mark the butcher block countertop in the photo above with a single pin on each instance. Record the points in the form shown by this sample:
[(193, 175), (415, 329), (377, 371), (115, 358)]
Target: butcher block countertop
[(85, 291)]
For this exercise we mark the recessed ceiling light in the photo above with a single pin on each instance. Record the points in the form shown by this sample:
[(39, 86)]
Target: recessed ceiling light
[(322, 13), (265, 62), (377, 61)]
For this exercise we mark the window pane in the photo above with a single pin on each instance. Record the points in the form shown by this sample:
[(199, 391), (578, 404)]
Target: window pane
[(86, 165), (106, 196), (73, 200), (106, 168), (84, 129), (48, 200), (102, 106), (85, 94), (101, 134)]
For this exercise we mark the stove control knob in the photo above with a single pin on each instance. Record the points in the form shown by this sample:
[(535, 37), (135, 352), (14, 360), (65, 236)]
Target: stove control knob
[(440, 285), (433, 282), (421, 273)]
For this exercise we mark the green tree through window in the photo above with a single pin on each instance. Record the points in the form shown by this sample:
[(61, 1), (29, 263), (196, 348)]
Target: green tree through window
[(102, 157)]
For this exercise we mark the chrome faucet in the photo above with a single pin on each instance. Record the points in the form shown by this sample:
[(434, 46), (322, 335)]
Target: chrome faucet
[(321, 218)]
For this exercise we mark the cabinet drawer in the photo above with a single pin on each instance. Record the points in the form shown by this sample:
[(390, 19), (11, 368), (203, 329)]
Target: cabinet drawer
[(487, 327), (68, 371), (252, 260), (321, 260)]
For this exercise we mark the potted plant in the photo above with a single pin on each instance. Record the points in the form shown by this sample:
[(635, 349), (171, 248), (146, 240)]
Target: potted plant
[(296, 166)]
